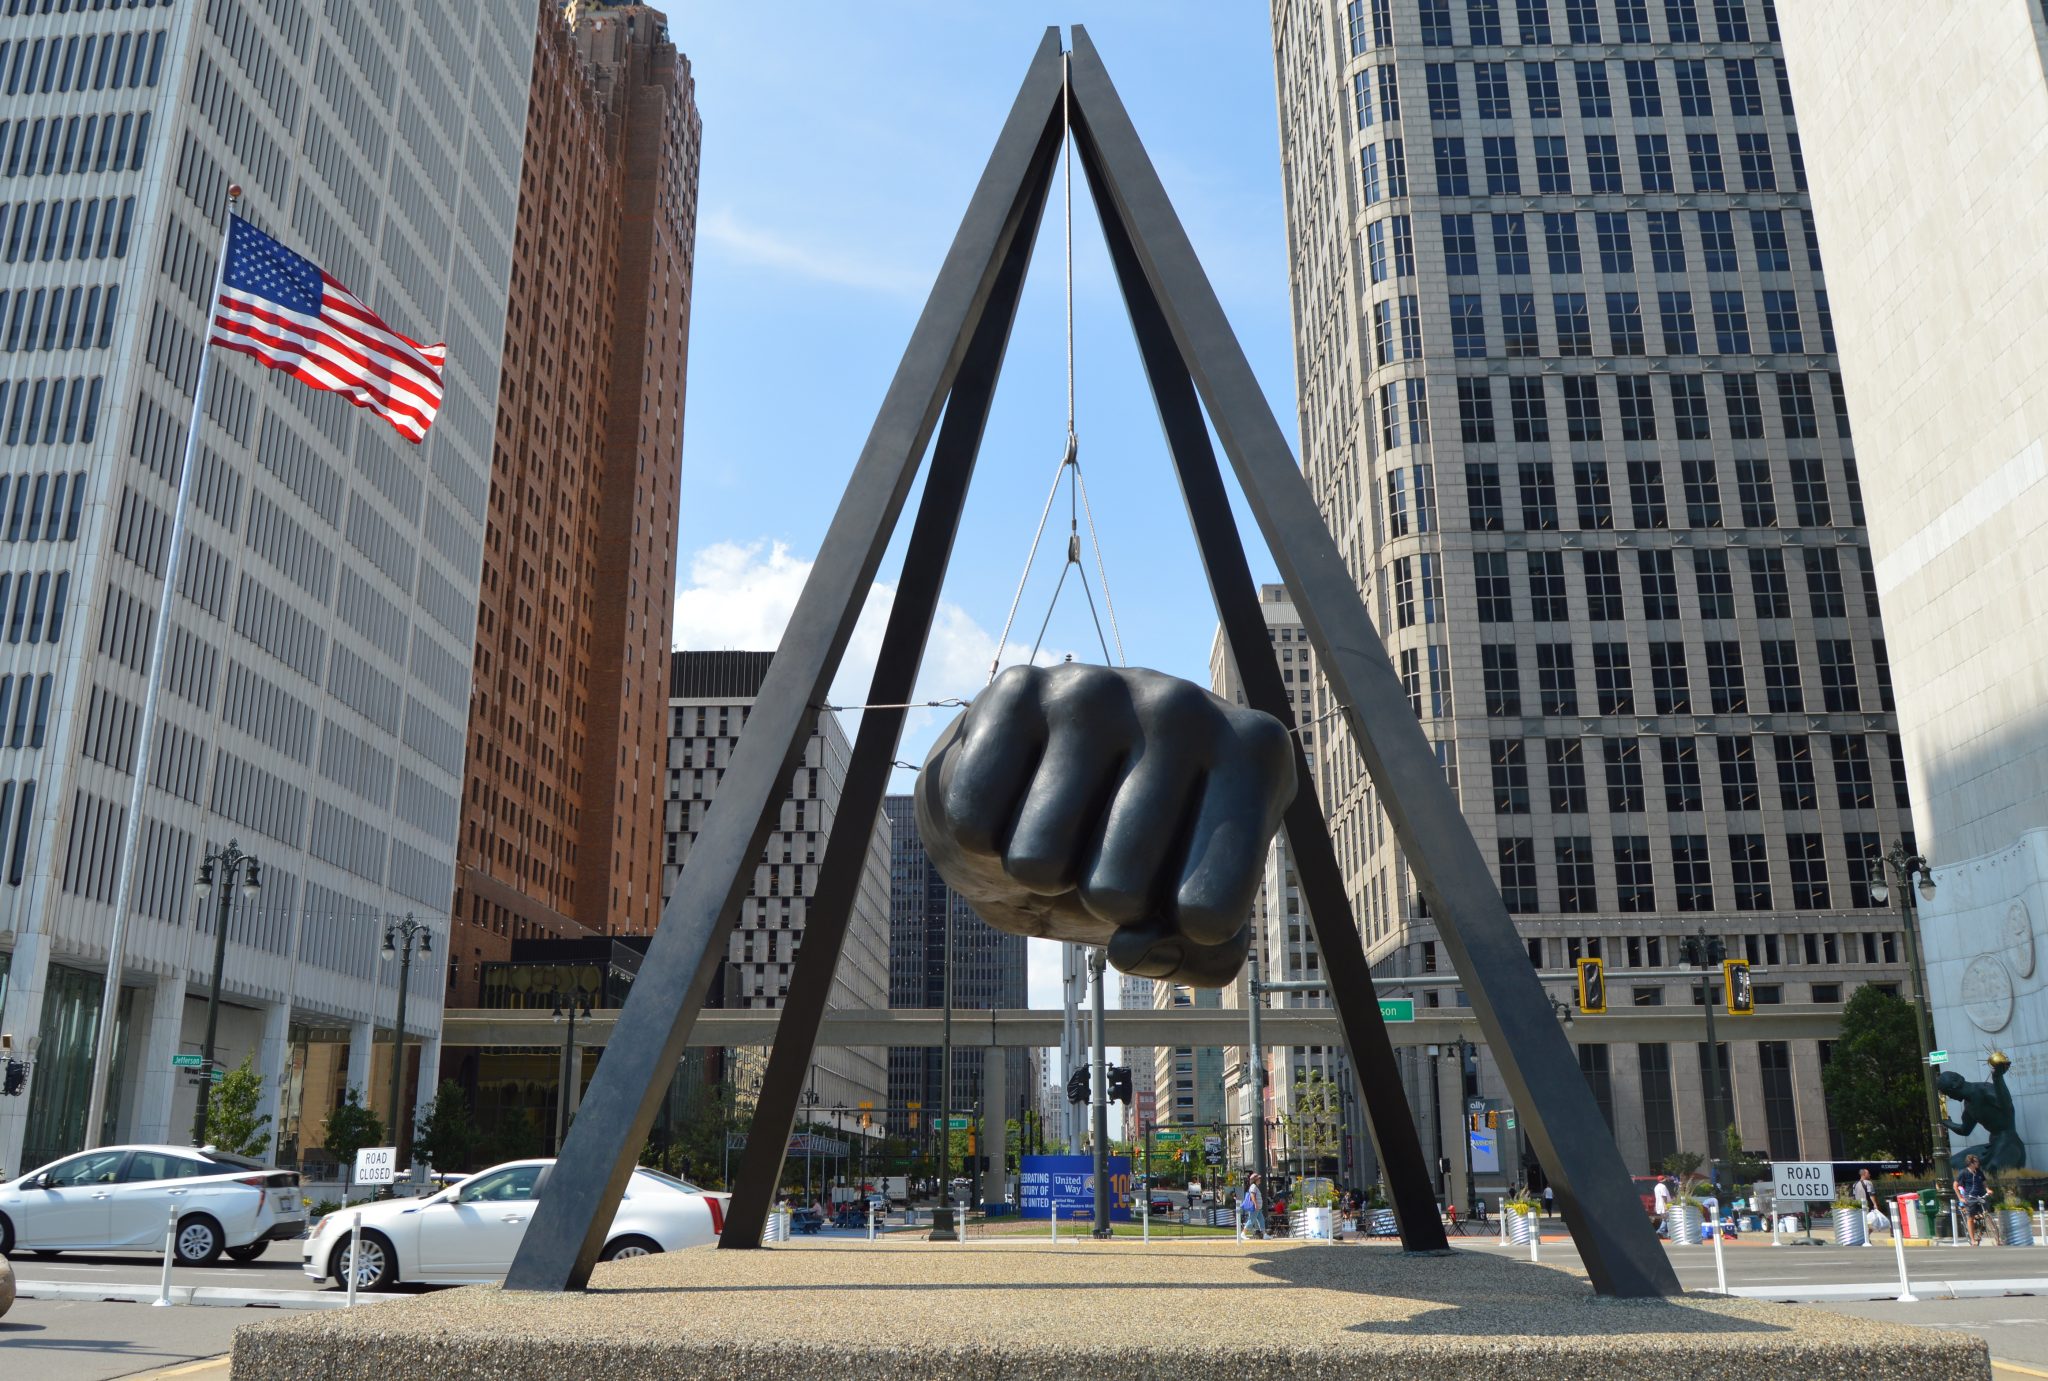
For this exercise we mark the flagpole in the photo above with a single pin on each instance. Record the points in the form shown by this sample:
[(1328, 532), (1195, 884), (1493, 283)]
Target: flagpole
[(110, 995)]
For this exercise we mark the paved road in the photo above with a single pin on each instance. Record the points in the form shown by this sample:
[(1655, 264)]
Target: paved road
[(276, 1269), (77, 1340)]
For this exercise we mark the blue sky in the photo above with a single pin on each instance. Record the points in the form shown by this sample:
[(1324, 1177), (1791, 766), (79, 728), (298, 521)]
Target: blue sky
[(840, 148)]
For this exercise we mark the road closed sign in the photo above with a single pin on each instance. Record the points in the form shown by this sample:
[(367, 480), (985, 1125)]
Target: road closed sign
[(376, 1164), (1802, 1181)]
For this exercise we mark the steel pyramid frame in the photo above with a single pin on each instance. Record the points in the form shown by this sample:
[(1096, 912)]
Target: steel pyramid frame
[(1193, 362)]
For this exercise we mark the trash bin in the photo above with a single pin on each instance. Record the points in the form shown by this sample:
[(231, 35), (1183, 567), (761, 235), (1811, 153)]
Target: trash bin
[(1916, 1214)]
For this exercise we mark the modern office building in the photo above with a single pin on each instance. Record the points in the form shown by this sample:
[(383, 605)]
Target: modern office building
[(317, 669), (1187, 1081), (1944, 353), (710, 696), (567, 723), (1570, 402), (989, 972), (1134, 994)]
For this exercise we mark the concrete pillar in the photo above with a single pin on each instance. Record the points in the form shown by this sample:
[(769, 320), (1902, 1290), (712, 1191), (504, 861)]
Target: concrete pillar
[(430, 1075), (1631, 1131), (1812, 1102), (1746, 1069), (995, 1102), (22, 1018), (158, 1084), (362, 1036), (273, 1062)]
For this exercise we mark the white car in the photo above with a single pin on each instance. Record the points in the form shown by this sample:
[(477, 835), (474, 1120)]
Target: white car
[(468, 1233), (120, 1198)]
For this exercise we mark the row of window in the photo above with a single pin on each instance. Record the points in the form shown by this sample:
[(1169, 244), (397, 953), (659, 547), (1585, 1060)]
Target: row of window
[(1369, 24), (46, 230), (48, 411), (1765, 948), (1658, 572), (1405, 420), (1670, 680), (1783, 326), (43, 507), (1634, 873), (1502, 170), (1565, 774), (59, 318), (29, 7), (24, 710), (1756, 499), (94, 62), (1642, 85), (33, 606), (75, 144), (1614, 242)]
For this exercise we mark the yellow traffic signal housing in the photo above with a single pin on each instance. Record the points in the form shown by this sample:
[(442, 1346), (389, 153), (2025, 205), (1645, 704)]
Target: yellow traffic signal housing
[(1492, 1119), (1735, 983), (1592, 987)]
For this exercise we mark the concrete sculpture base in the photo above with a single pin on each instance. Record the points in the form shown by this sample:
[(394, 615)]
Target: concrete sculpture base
[(1119, 1311), (6, 1286)]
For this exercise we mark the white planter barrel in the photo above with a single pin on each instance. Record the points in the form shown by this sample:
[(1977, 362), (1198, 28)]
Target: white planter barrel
[(1849, 1228), (1682, 1222), (2015, 1227), (1521, 1227)]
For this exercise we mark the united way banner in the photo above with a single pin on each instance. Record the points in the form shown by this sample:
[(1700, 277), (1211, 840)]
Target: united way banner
[(1068, 1184)]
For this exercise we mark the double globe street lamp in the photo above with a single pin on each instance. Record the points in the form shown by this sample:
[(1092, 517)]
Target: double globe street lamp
[(229, 864), (1913, 871), (400, 939)]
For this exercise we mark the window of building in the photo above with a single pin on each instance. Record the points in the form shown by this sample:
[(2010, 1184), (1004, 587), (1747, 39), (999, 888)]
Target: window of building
[(1565, 764), (1612, 681), (1475, 409), (1574, 337), (1490, 578), (1752, 872), (1538, 495), (1622, 759), (1711, 578), (1691, 874), (1547, 602), (1634, 881), (1668, 681), (1539, 79), (1808, 864), (1854, 789), (1510, 777), (1556, 680), (1726, 692), (1518, 875), (1602, 571), (1502, 680), (1510, 241), (1737, 754), (1657, 571), (1461, 246), (1625, 337), (1482, 485), (1794, 753), (1527, 408)]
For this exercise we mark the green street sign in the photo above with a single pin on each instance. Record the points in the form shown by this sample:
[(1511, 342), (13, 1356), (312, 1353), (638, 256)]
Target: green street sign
[(187, 1061), (1510, 1120), (1937, 1057), (1166, 1136), (959, 1123), (1397, 1009)]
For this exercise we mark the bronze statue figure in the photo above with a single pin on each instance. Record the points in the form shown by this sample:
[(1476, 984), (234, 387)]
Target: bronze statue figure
[(1988, 1105), (1110, 806)]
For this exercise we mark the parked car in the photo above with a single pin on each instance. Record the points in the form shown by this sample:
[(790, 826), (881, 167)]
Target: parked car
[(470, 1232), (119, 1198)]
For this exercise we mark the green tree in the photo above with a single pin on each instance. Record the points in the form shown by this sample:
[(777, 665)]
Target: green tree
[(349, 1128), (446, 1136), (1314, 1126), (1744, 1167), (1684, 1164), (232, 1122), (1873, 1082)]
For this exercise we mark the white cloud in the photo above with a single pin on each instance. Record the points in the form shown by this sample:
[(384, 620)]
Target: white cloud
[(726, 235)]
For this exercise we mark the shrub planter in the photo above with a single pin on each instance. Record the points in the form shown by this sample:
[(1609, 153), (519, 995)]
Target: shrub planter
[(1521, 1227), (2015, 1227), (1682, 1221), (1850, 1229)]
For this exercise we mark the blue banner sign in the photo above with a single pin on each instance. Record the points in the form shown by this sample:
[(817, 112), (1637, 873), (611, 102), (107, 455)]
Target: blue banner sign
[(1067, 1183)]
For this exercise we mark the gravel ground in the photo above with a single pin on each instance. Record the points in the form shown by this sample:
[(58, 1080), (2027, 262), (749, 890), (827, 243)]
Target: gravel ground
[(995, 1310)]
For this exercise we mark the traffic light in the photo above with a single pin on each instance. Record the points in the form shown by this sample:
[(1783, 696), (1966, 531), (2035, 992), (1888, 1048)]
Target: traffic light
[(1077, 1086), (1492, 1120), (1735, 983), (1592, 987), (1120, 1084)]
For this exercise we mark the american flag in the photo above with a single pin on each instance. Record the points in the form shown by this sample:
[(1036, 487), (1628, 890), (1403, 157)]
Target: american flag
[(293, 315)]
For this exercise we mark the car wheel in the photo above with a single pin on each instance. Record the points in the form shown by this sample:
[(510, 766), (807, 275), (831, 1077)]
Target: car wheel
[(6, 1236), (198, 1241), (247, 1253), (626, 1248), (378, 1268)]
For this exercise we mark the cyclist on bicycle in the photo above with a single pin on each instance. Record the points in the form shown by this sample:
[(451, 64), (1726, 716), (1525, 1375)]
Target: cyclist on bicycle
[(1973, 1191)]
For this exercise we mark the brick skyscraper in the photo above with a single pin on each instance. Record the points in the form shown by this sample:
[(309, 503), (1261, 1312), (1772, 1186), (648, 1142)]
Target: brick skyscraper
[(561, 820)]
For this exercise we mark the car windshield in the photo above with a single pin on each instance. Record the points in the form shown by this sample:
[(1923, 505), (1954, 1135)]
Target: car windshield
[(667, 1180)]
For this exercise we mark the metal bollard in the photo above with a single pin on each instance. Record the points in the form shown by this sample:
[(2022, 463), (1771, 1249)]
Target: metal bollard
[(163, 1291), (1720, 1265), (1145, 1211), (1503, 1222), (355, 1244), (1055, 1216), (1535, 1235), (871, 1220)]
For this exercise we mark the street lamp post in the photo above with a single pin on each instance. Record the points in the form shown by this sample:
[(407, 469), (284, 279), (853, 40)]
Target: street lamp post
[(1912, 870), (1703, 951), (230, 862), (942, 1216), (1467, 1082), (577, 1005), (400, 939), (810, 1102)]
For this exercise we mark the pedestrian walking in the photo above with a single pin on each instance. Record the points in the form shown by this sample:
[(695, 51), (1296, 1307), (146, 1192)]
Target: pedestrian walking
[(1864, 1191), (1252, 1207), (1660, 1195), (1973, 1191), (1549, 1202)]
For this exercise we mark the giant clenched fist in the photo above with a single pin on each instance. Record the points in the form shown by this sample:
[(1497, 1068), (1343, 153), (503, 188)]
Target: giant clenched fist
[(1110, 806)]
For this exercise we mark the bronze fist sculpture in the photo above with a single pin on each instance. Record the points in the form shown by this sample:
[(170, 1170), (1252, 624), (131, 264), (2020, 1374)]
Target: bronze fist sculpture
[(1108, 806)]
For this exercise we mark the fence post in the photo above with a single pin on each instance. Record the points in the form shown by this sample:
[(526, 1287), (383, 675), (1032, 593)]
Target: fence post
[(355, 1260)]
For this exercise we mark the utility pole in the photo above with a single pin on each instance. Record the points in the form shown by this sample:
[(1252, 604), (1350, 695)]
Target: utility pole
[(1099, 1092), (1907, 868), (1255, 1056), (1705, 952), (1072, 1055), (230, 861), (942, 1216), (400, 939)]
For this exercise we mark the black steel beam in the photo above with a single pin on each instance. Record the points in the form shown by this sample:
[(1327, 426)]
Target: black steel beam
[(570, 1222), (1593, 1189), (1378, 1076), (874, 748)]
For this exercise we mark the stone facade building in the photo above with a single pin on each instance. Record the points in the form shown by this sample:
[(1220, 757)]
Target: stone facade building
[(710, 696), (567, 723), (317, 670), (1926, 130), (1570, 403)]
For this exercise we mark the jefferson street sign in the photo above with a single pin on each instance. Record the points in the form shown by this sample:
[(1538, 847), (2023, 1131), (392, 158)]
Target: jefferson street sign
[(1397, 1009), (187, 1061), (1937, 1057)]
